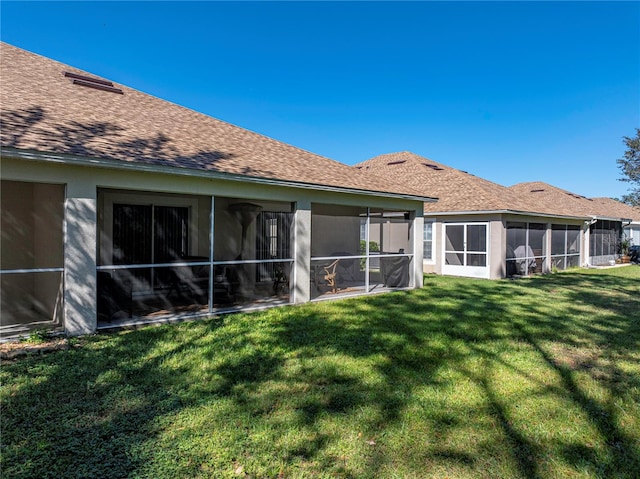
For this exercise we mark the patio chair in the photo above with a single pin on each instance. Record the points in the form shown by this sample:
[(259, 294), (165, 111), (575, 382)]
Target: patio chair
[(330, 275)]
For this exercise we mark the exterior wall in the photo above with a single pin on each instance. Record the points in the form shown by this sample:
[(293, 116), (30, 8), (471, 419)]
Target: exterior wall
[(633, 233), (82, 207), (80, 276), (302, 253), (497, 246), (417, 273)]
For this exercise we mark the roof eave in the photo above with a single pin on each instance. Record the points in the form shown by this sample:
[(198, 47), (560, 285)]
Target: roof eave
[(505, 211), (532, 213), (35, 155)]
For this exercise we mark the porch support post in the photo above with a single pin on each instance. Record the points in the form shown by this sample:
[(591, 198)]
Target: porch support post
[(586, 244), (548, 242), (301, 285), (80, 285), (418, 249)]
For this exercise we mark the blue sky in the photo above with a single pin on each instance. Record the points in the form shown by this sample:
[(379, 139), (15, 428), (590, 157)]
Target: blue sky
[(509, 91)]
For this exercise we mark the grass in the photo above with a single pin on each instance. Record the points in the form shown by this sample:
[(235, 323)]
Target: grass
[(535, 378)]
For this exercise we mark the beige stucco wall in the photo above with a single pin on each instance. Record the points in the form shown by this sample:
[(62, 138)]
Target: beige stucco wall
[(497, 238), (495, 253)]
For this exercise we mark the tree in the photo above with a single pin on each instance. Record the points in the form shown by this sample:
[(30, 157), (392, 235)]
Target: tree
[(630, 166)]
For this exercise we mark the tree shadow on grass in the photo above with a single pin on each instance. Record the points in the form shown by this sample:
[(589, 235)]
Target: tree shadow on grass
[(106, 409)]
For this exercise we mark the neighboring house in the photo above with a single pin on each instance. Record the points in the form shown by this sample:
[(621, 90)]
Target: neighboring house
[(119, 207), (482, 229), (607, 219), (629, 214)]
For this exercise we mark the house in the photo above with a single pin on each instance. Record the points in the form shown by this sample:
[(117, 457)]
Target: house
[(607, 219), (482, 229), (120, 208), (630, 217)]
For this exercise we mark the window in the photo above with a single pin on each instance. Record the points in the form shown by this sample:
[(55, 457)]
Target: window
[(274, 235), (273, 241), (144, 234), (153, 254), (427, 241)]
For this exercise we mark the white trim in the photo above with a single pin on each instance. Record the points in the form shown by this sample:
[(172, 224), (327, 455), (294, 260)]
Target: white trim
[(506, 212), (31, 270), (32, 155), (464, 270), (432, 259)]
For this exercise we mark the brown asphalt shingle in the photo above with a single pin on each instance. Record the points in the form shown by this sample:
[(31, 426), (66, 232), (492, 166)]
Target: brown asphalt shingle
[(558, 201), (617, 209), (553, 200), (459, 191), (43, 110)]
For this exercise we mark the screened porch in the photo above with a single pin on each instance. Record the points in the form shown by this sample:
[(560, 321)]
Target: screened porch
[(164, 255), (604, 241), (32, 262), (357, 250)]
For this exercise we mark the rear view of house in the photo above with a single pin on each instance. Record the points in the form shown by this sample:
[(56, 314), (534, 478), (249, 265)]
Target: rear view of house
[(482, 229), (119, 208)]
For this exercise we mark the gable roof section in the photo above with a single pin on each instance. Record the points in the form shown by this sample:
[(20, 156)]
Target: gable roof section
[(558, 201), (457, 191), (555, 200), (46, 112), (461, 192), (611, 207)]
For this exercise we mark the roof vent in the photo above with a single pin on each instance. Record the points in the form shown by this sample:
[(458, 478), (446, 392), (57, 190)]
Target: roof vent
[(399, 162), (91, 82), (539, 190), (433, 167), (580, 197)]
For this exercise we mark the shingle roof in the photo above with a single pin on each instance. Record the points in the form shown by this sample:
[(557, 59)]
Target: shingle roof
[(559, 201), (617, 209), (456, 190), (459, 191), (45, 111), (555, 200)]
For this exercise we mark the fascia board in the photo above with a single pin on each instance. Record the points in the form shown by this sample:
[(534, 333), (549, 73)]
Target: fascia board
[(32, 155), (510, 212), (531, 213)]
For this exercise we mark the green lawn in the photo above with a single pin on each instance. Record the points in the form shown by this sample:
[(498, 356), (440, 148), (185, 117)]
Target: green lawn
[(532, 378)]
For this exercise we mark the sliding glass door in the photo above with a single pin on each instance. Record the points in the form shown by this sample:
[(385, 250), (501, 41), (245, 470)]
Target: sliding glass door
[(465, 251)]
